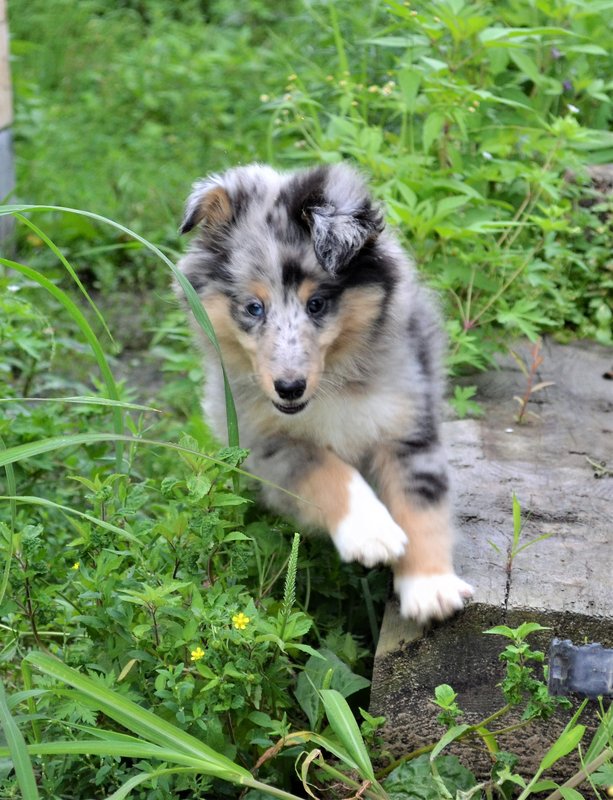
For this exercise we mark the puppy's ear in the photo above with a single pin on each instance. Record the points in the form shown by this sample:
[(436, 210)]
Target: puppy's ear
[(208, 205), (341, 215), (339, 236)]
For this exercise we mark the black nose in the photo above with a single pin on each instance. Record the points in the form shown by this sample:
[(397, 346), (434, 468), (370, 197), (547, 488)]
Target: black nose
[(290, 390)]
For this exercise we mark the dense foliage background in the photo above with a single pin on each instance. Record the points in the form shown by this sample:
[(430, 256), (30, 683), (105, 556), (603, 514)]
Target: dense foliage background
[(152, 566)]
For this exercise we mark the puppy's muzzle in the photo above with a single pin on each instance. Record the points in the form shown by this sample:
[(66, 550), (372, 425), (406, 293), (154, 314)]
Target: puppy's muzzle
[(290, 392)]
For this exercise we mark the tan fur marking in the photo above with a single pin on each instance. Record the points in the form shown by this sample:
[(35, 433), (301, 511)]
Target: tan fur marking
[(428, 527), (218, 309), (326, 488), (261, 291), (306, 290), (215, 208), (359, 309)]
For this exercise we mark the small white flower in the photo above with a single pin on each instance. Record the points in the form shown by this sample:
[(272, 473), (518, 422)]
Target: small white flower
[(487, 156), (573, 109)]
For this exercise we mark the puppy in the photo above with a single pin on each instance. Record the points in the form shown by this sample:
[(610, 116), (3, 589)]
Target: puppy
[(333, 352)]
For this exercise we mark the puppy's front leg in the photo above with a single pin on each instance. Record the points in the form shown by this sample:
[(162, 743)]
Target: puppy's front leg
[(335, 497), (413, 481)]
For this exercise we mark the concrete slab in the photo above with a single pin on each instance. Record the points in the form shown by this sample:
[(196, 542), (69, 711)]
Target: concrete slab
[(551, 463)]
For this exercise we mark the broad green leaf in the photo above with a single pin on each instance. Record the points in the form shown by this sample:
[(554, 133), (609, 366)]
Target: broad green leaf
[(313, 677), (564, 745), (570, 794), (502, 630), (602, 735), (444, 695), (343, 724), (450, 736), (543, 786), (409, 80), (528, 67), (432, 127), (499, 34), (121, 749)]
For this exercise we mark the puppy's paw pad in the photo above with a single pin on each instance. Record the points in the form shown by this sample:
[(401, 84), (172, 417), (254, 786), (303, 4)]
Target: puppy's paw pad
[(368, 533), (426, 597)]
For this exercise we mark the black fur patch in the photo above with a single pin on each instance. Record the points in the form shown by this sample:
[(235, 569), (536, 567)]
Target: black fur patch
[(419, 337), (303, 192), (368, 268), (430, 486), (292, 274)]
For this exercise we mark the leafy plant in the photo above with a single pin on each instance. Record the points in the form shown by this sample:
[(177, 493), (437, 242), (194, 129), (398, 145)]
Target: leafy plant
[(469, 116)]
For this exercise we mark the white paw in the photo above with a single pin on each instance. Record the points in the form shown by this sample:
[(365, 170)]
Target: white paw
[(368, 533), (426, 597)]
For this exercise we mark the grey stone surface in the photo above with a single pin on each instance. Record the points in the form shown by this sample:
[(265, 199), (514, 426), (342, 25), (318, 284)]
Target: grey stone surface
[(550, 463)]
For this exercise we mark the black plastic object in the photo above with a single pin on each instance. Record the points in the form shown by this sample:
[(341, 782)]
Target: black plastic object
[(586, 670)]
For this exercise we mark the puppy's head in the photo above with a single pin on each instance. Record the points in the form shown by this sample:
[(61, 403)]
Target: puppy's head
[(291, 274)]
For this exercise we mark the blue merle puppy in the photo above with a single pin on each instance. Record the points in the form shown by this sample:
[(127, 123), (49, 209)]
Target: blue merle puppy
[(333, 352)]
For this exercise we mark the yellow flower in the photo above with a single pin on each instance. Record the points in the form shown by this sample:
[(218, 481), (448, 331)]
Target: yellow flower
[(197, 654), (76, 565), (240, 621)]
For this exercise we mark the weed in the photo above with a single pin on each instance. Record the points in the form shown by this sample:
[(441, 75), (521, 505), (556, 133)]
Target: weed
[(530, 371)]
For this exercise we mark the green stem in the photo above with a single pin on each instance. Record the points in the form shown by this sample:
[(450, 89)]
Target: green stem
[(26, 674), (12, 490)]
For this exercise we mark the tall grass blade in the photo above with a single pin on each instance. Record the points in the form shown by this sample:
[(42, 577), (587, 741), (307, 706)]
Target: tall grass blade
[(190, 294), (62, 258), (143, 723), (31, 449), (89, 335), (101, 523), (18, 751), (84, 400)]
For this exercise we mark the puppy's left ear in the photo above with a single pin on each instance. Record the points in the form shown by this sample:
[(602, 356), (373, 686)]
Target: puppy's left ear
[(345, 221), (208, 206)]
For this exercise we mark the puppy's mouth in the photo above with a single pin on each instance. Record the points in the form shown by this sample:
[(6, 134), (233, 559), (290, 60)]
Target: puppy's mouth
[(290, 408)]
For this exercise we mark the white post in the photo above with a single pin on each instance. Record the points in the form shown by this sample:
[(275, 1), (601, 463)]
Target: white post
[(7, 174)]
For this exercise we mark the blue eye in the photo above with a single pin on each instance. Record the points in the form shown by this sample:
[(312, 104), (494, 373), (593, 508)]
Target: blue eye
[(316, 305), (255, 309)]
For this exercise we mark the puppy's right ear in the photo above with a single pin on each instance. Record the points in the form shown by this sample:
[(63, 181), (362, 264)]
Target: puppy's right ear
[(208, 205)]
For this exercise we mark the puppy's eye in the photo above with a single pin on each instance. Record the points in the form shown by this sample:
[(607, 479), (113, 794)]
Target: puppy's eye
[(316, 305), (255, 309)]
